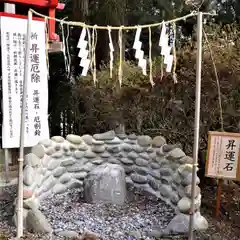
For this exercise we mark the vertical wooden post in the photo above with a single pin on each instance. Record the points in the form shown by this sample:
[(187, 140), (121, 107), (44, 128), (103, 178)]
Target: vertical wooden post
[(219, 192), (197, 120)]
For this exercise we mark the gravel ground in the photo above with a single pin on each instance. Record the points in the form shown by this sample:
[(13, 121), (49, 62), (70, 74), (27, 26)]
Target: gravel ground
[(69, 212)]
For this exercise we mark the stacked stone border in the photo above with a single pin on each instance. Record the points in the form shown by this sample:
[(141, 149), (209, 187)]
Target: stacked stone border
[(155, 168)]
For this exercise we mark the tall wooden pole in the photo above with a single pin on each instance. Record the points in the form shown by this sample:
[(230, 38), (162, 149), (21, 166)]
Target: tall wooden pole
[(22, 130), (197, 120)]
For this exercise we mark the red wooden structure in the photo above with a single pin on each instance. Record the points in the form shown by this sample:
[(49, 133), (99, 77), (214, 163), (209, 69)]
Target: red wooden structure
[(51, 5)]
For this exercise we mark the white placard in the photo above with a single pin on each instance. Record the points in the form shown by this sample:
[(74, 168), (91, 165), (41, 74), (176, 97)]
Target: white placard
[(13, 37), (223, 155)]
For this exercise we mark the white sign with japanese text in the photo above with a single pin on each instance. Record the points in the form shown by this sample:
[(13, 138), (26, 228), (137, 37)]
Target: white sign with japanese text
[(13, 37), (223, 155)]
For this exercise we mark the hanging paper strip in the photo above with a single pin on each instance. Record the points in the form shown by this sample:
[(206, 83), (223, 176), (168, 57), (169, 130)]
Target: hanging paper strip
[(165, 48), (111, 50), (83, 52), (139, 54)]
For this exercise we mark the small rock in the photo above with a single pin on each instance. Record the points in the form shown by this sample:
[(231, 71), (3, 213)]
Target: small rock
[(126, 147), (38, 150), (32, 160), (98, 148), (176, 154), (68, 234), (169, 147), (138, 178), (158, 141), (114, 149), (132, 155), (46, 142), (73, 183), (166, 172), (83, 147), (136, 234), (57, 155), (154, 165), (105, 155), (144, 156), (75, 139), (68, 162), (50, 151), (144, 140), (59, 188), (80, 175), (188, 191), (90, 154), (79, 154), (127, 161), (66, 177), (110, 135), (132, 136), (141, 162), (87, 139), (141, 170), (53, 164), (165, 190), (186, 160), (114, 141), (37, 222), (153, 183), (28, 175), (59, 171), (31, 203), (155, 173), (58, 139)]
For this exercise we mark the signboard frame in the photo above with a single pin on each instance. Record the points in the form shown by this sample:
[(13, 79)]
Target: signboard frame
[(212, 134)]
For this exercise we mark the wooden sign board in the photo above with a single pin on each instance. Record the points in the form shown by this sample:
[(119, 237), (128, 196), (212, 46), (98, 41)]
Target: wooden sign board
[(223, 158)]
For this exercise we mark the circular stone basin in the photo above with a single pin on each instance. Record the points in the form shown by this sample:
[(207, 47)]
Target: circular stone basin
[(133, 220)]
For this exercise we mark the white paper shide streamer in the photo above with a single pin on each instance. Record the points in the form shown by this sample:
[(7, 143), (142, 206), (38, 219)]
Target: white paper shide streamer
[(139, 54), (83, 53), (111, 50), (166, 49)]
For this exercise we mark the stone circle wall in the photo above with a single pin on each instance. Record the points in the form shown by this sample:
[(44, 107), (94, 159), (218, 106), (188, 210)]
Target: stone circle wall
[(151, 166)]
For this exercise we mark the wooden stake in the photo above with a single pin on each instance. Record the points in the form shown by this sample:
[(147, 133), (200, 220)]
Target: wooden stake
[(218, 202)]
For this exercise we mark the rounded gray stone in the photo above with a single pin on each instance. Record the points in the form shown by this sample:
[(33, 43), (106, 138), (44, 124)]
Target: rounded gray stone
[(80, 175), (166, 179), (138, 178), (132, 136), (58, 146), (165, 190), (144, 140), (28, 175), (169, 147), (68, 162), (53, 164), (166, 171), (155, 173), (88, 167), (57, 155), (188, 180), (114, 141), (186, 160), (50, 151), (138, 149), (132, 155), (32, 160), (66, 148), (75, 139), (177, 178), (153, 156), (68, 234), (97, 161), (90, 154), (176, 154), (38, 150), (68, 153), (158, 141), (127, 147), (83, 147), (58, 139), (110, 135), (105, 155), (127, 161), (78, 154), (66, 177), (37, 222), (87, 139), (144, 156), (59, 171), (141, 162), (98, 148), (59, 188), (114, 161), (153, 183), (140, 170), (174, 198), (188, 191), (154, 165), (114, 149), (31, 203), (46, 142)]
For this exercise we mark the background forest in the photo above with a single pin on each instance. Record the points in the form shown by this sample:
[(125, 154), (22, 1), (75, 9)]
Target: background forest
[(77, 106)]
